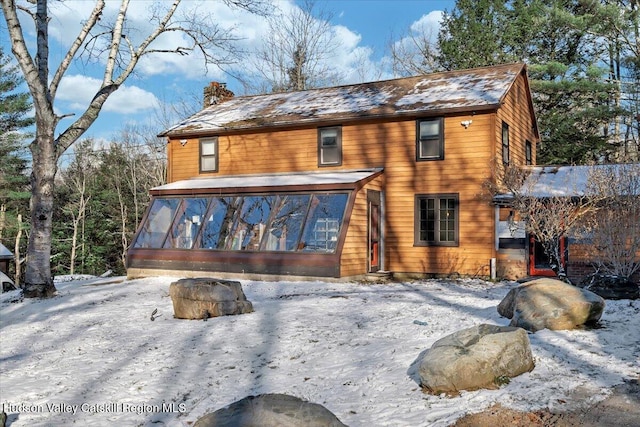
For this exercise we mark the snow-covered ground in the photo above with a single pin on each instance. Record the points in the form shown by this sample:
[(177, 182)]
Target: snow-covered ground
[(92, 355)]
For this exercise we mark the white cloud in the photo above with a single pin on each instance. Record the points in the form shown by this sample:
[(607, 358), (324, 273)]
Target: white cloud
[(354, 61), (174, 74), (69, 15), (424, 30), (77, 91), (428, 24), (131, 99)]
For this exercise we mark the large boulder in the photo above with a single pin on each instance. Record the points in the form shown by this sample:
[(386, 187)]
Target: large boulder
[(611, 287), (271, 410), (552, 304), (201, 298), (483, 356)]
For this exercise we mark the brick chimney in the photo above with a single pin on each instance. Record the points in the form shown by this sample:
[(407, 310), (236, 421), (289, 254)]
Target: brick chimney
[(216, 93)]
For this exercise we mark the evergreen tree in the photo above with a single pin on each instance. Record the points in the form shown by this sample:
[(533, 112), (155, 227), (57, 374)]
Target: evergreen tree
[(561, 40), (471, 35), (14, 119)]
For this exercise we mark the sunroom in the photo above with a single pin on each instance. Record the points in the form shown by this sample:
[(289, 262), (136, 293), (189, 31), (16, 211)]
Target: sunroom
[(291, 224)]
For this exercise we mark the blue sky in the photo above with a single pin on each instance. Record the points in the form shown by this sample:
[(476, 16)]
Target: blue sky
[(364, 27)]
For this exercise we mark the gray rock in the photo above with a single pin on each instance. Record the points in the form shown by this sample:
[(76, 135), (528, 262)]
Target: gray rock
[(552, 304), (484, 356), (201, 298), (270, 410)]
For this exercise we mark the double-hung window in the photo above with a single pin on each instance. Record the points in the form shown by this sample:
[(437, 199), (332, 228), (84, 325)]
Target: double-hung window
[(430, 139), (330, 146), (209, 154), (436, 220), (505, 143)]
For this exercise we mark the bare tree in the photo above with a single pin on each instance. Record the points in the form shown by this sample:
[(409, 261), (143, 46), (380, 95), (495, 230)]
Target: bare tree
[(415, 53), (16, 253), (144, 162), (548, 213), (109, 40), (77, 209), (297, 51), (614, 230)]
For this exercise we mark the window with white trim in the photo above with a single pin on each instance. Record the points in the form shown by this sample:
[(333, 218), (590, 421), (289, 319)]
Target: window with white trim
[(330, 146), (209, 154)]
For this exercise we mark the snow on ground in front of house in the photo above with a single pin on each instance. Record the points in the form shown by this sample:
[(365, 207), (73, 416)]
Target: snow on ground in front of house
[(350, 347)]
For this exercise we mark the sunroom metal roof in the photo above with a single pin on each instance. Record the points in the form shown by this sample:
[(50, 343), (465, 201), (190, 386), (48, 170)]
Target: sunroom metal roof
[(266, 182), (461, 90)]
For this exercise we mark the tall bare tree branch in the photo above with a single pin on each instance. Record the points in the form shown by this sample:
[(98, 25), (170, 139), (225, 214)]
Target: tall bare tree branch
[(122, 57)]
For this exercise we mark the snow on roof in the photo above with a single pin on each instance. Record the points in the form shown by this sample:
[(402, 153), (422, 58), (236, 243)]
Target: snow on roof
[(270, 180), (568, 181), (453, 90)]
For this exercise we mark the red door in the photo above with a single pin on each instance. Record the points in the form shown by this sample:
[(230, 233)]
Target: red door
[(539, 263), (374, 230)]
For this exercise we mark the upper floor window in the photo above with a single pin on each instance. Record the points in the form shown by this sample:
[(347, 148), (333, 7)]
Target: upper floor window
[(430, 139), (528, 157), (330, 146), (436, 220), (209, 155), (505, 143)]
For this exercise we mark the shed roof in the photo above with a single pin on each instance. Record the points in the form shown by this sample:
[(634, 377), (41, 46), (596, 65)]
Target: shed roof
[(570, 181), (5, 253), (437, 93), (574, 181)]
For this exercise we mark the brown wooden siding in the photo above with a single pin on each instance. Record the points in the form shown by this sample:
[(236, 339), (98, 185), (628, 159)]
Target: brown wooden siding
[(466, 166), (289, 263), (515, 112), (468, 161), (355, 253), (511, 263)]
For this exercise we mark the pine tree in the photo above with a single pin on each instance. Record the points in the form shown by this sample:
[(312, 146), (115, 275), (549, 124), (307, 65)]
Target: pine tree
[(561, 40), (470, 35), (14, 120)]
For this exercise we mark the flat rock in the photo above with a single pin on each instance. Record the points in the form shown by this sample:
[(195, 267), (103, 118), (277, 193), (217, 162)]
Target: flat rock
[(201, 298), (483, 356), (271, 410), (551, 304)]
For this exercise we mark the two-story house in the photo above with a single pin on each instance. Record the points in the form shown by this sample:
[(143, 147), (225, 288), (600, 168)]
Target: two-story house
[(341, 182)]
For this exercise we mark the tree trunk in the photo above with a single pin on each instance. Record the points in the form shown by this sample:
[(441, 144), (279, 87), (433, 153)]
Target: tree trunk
[(16, 254), (3, 210), (38, 279)]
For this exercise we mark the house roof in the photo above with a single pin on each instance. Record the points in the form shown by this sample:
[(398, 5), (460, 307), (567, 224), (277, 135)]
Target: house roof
[(5, 253), (343, 179), (461, 90)]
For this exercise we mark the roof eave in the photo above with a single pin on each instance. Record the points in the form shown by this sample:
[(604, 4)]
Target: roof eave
[(330, 121)]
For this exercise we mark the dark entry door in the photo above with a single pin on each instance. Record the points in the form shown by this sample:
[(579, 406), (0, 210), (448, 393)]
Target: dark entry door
[(375, 243), (539, 262)]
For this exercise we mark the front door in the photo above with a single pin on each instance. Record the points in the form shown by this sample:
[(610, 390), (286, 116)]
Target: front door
[(375, 243)]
